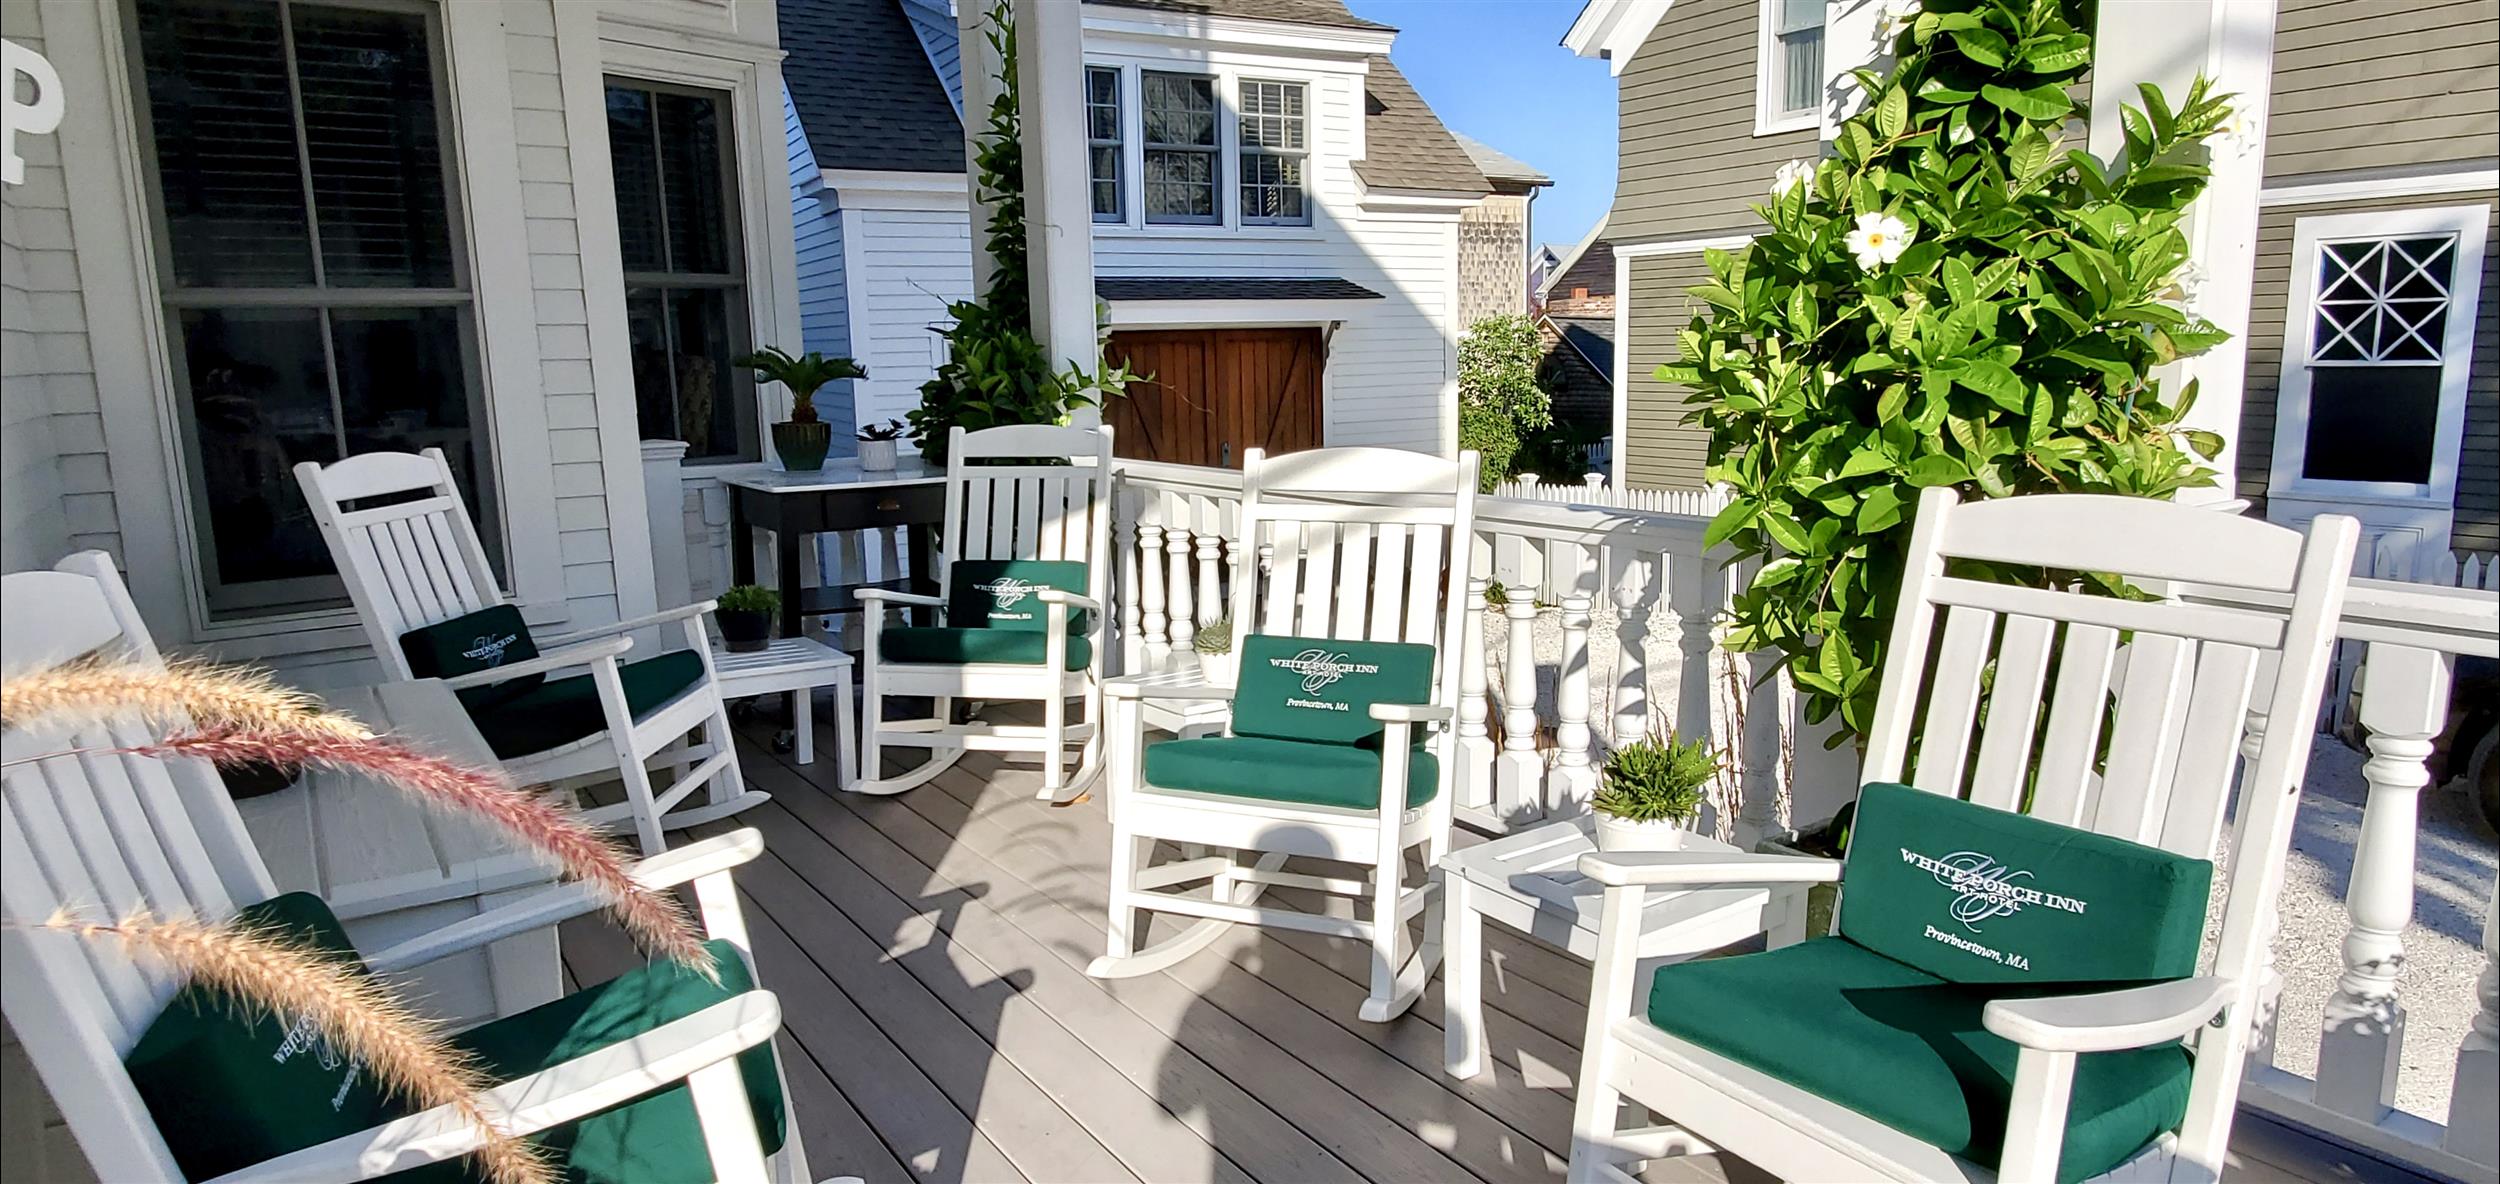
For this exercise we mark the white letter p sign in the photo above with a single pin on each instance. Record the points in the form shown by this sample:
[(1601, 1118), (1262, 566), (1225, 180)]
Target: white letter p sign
[(36, 118)]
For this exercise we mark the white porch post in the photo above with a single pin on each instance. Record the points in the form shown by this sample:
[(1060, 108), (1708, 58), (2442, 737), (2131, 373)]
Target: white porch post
[(981, 82), (1058, 209), (2168, 43)]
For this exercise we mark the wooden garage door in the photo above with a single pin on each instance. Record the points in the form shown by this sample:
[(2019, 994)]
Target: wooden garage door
[(1217, 393)]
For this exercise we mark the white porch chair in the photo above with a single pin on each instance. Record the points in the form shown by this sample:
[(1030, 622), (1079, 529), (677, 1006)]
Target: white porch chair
[(1364, 550), (107, 835), (1026, 547), (416, 562), (2044, 1070)]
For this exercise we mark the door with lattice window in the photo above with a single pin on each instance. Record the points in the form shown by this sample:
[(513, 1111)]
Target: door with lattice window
[(2377, 350), (1217, 393)]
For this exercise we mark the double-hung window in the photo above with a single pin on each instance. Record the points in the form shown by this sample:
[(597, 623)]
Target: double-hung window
[(685, 266), (1275, 143), (1103, 146), (1789, 94), (315, 291), (1182, 157)]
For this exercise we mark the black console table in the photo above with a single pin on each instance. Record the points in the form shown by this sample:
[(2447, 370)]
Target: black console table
[(838, 498)]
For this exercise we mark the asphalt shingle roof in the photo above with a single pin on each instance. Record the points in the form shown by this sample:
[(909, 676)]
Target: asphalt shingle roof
[(1407, 146), (864, 90), (1593, 338), (1300, 12), (1497, 165), (1190, 287)]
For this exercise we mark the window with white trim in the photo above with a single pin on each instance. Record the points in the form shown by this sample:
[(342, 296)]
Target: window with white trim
[(1182, 139), (1789, 93), (308, 253), (1275, 144), (1102, 137)]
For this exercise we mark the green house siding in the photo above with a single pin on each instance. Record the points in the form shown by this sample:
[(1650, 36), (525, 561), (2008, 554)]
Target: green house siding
[(1661, 451), (2478, 477), (1691, 166), (2368, 84)]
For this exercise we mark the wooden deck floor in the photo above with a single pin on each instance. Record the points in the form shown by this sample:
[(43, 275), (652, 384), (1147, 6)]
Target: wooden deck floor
[(929, 953)]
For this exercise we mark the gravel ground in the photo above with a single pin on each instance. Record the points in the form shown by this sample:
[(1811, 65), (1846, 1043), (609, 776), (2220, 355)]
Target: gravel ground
[(2455, 865)]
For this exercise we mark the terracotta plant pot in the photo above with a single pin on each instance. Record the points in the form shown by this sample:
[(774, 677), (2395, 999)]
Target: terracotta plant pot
[(745, 632), (1616, 834), (876, 456), (802, 445)]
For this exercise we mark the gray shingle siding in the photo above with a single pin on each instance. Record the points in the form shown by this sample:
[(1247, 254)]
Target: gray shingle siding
[(2365, 84), (1664, 452), (1691, 166)]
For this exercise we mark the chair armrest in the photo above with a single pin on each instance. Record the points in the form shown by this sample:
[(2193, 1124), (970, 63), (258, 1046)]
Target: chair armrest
[(1409, 713), (576, 1089), (1071, 599), (647, 620), (890, 596), (2109, 1020), (563, 902), (1706, 869), (1138, 686), (563, 659)]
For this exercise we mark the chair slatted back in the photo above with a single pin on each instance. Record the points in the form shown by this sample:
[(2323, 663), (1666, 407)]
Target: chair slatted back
[(1057, 505), (101, 835), (1358, 544), (410, 562)]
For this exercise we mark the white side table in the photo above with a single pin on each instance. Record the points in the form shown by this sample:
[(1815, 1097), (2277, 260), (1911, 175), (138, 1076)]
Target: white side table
[(797, 666), (1531, 882)]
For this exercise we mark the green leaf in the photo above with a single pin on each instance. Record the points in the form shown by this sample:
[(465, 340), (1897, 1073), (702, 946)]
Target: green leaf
[(1994, 381), (1786, 531), (1983, 46), (2205, 444), (1870, 459), (2030, 152), (1935, 470), (1879, 510), (2037, 103), (2057, 54), (1893, 113), (1959, 283)]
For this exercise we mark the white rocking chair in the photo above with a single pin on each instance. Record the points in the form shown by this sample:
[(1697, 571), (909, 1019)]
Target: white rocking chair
[(417, 562), (107, 835), (2081, 1074), (1364, 548), (1026, 548)]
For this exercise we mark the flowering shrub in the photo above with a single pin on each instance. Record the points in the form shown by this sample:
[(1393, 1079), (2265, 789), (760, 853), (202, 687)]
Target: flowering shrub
[(1501, 402), (1956, 296)]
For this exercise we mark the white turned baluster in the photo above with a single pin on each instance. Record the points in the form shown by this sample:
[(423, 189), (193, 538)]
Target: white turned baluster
[(2269, 979), (1210, 553), (2474, 1094), (1519, 774), (1152, 626), (1692, 594), (1176, 545), (1636, 589), (2404, 703), (1574, 779), (1124, 551), (1473, 778), (1758, 751)]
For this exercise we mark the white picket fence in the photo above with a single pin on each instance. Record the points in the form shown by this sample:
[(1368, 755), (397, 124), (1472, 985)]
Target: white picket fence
[(1592, 490)]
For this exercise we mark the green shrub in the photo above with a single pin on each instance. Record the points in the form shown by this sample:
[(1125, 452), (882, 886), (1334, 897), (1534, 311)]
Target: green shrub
[(1499, 396), (1656, 779), (1956, 297), (749, 598)]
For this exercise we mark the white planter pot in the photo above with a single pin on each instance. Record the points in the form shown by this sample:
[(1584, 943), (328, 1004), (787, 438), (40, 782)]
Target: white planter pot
[(1217, 669), (876, 456), (1615, 834)]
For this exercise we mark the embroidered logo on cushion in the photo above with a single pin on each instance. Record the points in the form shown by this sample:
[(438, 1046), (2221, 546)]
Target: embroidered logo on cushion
[(1984, 887), (1007, 591), (1320, 670), (488, 650)]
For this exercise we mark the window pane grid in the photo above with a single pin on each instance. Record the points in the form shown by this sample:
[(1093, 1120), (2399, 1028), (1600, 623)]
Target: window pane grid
[(684, 283), (1103, 155), (2382, 302), (1275, 135), (1800, 76), (1180, 147)]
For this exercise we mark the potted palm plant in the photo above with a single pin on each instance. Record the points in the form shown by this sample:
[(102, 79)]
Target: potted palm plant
[(876, 446), (746, 617), (1651, 792), (1214, 646), (801, 440)]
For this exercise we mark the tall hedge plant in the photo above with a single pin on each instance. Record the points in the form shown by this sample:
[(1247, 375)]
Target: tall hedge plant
[(1957, 295)]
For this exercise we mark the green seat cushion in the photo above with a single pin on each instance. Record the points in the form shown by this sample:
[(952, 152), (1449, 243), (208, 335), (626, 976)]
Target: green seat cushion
[(1973, 894), (947, 645), (999, 593), (1907, 1049), (1296, 771), (229, 1086), (1301, 688), (567, 709), (471, 642), (654, 1137)]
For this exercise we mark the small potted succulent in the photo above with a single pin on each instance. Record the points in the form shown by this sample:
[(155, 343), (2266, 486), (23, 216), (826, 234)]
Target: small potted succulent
[(876, 446), (802, 440), (746, 617), (1214, 647), (1650, 793)]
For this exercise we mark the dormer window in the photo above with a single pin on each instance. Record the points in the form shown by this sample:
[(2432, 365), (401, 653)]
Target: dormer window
[(1182, 159), (1275, 140)]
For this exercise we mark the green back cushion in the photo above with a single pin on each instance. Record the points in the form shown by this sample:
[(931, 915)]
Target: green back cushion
[(230, 1086), (1973, 894), (471, 642), (1300, 688), (998, 593)]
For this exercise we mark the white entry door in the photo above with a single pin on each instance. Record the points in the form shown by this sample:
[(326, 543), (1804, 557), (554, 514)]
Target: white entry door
[(2377, 338)]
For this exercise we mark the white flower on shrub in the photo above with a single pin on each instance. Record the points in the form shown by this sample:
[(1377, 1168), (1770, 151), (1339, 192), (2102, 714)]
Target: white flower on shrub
[(1790, 176), (2238, 134), (1896, 19), (1878, 240), (2186, 284)]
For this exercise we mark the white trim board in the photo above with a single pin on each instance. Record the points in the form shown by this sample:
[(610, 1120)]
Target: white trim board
[(1681, 246), (2323, 190), (1233, 314), (1614, 29)]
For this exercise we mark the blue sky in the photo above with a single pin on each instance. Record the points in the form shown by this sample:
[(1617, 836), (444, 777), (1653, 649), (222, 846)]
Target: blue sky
[(1496, 70)]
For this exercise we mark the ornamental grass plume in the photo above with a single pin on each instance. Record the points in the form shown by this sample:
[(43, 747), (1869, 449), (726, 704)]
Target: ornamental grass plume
[(180, 693), (355, 1013)]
